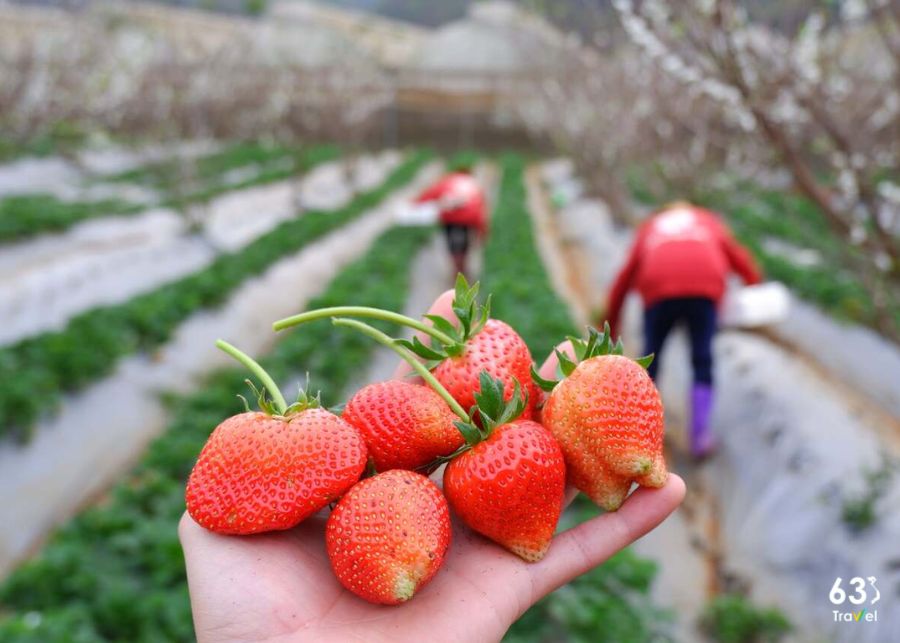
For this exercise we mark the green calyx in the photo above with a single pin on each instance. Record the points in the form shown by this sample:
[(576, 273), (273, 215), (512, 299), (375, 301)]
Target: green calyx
[(404, 354), (472, 317), (446, 339), (596, 344), (269, 405), (491, 409), (276, 406), (476, 425)]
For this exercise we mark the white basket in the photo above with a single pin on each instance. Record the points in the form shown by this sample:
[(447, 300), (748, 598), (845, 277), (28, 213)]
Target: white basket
[(754, 306), (417, 214)]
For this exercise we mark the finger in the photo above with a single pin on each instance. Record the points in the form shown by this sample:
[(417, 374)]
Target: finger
[(582, 548), (442, 306)]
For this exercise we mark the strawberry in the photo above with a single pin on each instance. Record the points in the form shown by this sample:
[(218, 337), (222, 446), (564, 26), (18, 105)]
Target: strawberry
[(388, 536), (497, 349), (608, 418), (510, 485), (478, 344), (456, 354), (404, 425), (264, 471)]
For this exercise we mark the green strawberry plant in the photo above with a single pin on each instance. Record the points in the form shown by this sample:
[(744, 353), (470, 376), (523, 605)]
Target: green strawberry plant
[(612, 602), (88, 348), (116, 572)]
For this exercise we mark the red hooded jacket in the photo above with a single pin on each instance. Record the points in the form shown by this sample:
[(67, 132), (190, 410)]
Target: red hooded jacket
[(683, 251), (461, 201)]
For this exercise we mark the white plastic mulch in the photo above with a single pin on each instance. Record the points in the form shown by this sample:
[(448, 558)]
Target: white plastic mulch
[(47, 280), (799, 421)]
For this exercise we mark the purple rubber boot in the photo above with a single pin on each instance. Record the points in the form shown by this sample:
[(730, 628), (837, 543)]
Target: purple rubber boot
[(702, 441)]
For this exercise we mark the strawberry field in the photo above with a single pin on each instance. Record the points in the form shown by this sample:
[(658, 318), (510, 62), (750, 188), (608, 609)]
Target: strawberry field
[(173, 176), (105, 563), (120, 558)]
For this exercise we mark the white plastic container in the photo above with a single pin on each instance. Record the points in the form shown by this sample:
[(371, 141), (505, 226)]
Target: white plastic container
[(755, 306)]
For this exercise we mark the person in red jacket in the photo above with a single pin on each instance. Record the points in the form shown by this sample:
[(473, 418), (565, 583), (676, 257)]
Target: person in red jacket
[(461, 201), (679, 262)]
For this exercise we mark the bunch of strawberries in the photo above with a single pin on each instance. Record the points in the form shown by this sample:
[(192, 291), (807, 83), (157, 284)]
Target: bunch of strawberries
[(509, 438)]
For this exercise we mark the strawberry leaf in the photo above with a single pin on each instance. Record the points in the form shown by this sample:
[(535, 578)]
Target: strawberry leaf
[(545, 385), (420, 349), (490, 397), (267, 405), (246, 403), (472, 315), (469, 431), (263, 402), (595, 344), (490, 406), (443, 325), (515, 407), (646, 360), (566, 365)]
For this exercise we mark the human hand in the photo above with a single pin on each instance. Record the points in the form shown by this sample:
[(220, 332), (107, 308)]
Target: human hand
[(279, 586)]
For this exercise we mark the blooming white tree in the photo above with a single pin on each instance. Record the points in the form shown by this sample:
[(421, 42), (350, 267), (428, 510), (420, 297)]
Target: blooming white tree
[(115, 68), (699, 88), (825, 99)]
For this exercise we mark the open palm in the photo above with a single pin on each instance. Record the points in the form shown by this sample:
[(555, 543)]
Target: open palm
[(280, 587)]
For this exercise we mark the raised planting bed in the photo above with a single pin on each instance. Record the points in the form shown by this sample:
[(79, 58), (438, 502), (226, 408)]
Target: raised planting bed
[(39, 370), (116, 571), (610, 603), (180, 183)]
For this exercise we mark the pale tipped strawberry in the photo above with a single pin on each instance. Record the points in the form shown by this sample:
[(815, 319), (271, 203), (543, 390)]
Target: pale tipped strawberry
[(509, 484), (269, 470), (507, 481), (458, 349), (388, 536), (404, 425), (607, 416)]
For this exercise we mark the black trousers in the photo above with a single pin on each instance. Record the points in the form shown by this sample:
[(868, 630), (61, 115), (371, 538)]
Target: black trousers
[(457, 238), (699, 315)]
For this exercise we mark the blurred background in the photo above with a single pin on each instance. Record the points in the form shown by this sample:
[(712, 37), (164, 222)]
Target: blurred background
[(175, 172)]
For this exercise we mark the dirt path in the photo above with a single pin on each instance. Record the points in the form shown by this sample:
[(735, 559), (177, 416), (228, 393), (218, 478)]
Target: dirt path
[(100, 432), (763, 517), (431, 273), (563, 259)]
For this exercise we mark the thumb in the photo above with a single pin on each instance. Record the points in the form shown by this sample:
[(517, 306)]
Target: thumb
[(580, 549)]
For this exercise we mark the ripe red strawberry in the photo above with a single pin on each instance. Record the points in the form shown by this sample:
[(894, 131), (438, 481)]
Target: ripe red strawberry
[(388, 535), (510, 485), (261, 473), (270, 470), (500, 351), (608, 418), (479, 344), (404, 425), (456, 353)]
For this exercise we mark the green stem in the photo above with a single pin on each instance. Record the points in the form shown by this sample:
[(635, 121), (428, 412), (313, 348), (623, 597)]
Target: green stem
[(364, 311), (254, 367), (407, 357)]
